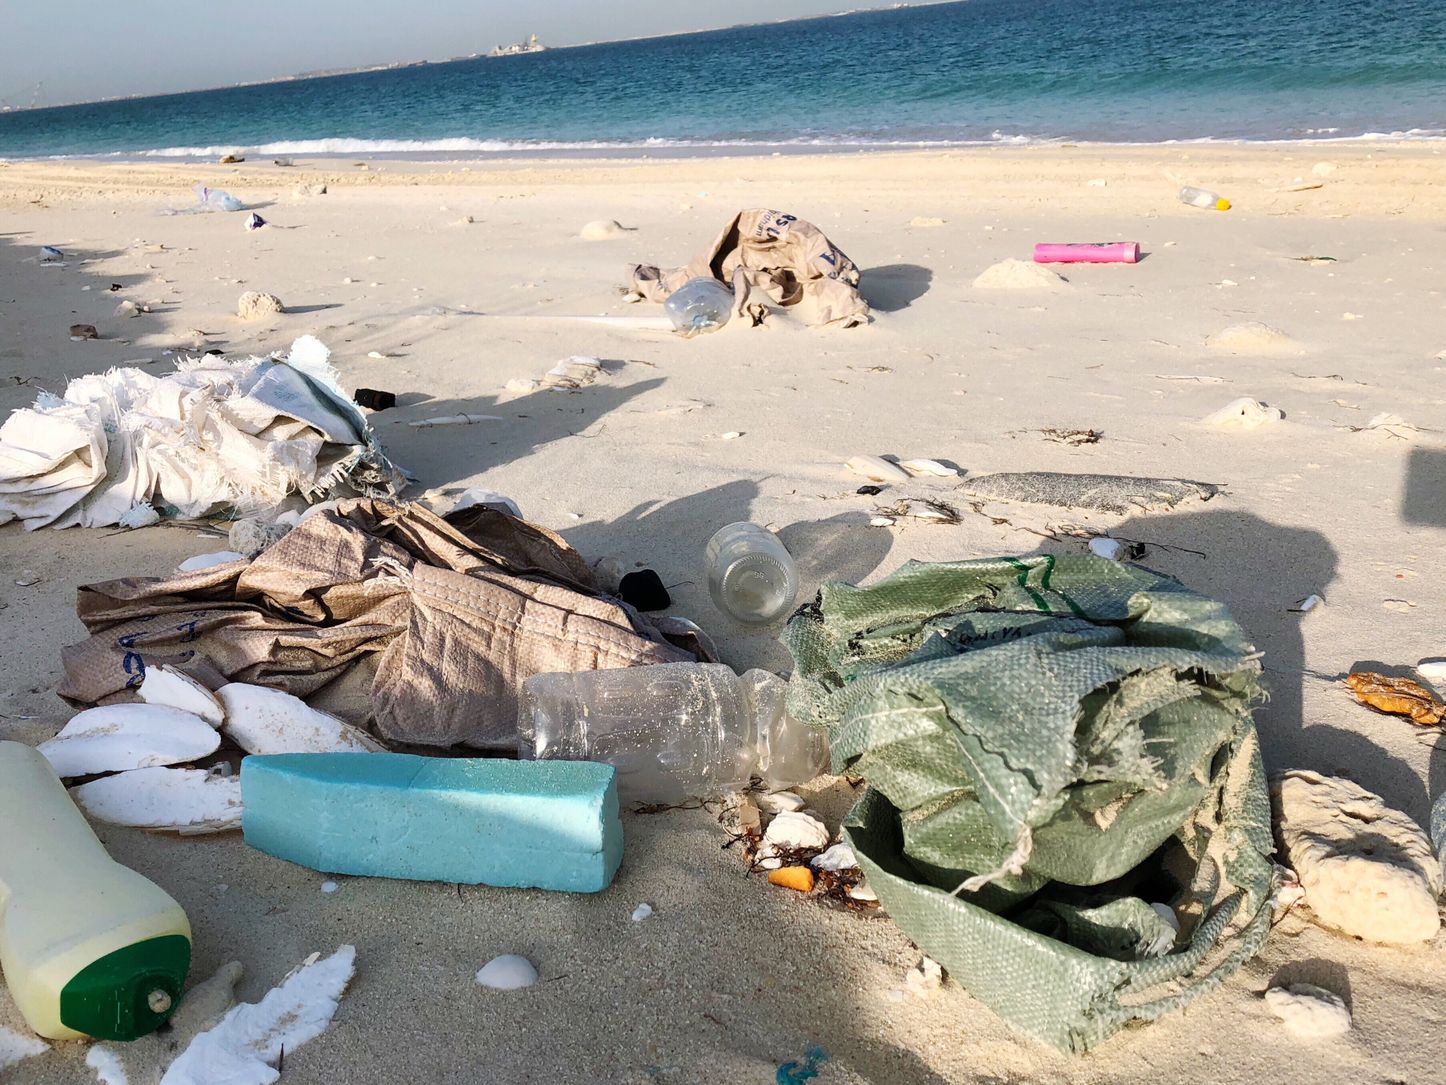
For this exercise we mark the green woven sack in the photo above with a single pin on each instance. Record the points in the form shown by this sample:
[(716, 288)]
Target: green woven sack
[(1053, 745)]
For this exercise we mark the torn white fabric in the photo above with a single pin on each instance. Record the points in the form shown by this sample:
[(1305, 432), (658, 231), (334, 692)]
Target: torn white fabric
[(216, 435)]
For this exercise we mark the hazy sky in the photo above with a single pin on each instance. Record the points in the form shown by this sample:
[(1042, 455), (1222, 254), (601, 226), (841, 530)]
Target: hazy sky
[(87, 49)]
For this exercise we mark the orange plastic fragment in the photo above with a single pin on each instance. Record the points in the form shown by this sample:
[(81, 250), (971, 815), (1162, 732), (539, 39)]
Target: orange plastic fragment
[(792, 877), (1398, 696)]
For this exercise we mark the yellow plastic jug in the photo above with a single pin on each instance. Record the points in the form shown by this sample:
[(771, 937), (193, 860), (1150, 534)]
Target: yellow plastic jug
[(88, 947)]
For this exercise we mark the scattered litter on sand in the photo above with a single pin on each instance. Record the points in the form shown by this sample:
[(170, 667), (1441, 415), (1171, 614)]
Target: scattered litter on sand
[(507, 973), (250, 1041), (1014, 274), (1244, 413), (1253, 337), (453, 420)]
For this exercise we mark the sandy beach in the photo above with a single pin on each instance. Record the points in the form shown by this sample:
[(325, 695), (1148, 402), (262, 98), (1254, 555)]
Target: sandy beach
[(464, 275)]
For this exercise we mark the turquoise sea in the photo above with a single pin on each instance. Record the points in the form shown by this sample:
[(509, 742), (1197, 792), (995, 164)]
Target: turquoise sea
[(984, 71)]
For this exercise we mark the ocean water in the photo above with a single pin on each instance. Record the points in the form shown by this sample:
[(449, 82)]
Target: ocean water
[(984, 71)]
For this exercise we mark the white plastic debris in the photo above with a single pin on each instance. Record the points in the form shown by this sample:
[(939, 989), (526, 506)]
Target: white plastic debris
[(928, 467), (779, 802), (1107, 548), (477, 495), (128, 435), (263, 721), (207, 561), (16, 1048), (1308, 1011), (1433, 672), (862, 892), (329, 887), (507, 973), (924, 978), (167, 686), (877, 469), (453, 420), (792, 830), (642, 912), (1165, 942), (1309, 603), (838, 857), (573, 372), (141, 514), (244, 1048), (732, 435), (26, 579), (107, 1066), (1244, 413), (189, 801), (118, 737)]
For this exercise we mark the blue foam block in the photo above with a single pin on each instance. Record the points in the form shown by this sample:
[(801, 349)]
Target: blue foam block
[(542, 824)]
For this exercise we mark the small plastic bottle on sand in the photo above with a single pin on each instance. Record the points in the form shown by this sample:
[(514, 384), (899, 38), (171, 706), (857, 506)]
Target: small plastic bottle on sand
[(751, 575), (1203, 197), (672, 730), (699, 305)]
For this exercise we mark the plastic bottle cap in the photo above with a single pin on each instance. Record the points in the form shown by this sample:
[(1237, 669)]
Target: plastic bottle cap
[(1222, 204)]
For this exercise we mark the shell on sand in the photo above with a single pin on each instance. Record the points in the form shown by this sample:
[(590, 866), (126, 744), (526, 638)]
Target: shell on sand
[(118, 737), (602, 230), (262, 720), (171, 688), (1252, 337), (1019, 275), (877, 468), (187, 800)]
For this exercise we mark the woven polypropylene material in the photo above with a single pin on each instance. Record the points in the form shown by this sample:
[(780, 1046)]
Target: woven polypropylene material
[(1036, 728)]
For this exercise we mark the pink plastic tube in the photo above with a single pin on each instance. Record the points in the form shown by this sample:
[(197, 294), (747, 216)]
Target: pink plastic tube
[(1099, 252)]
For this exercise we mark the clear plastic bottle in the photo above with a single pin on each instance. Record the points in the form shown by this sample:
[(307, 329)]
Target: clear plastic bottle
[(1203, 197), (672, 730), (751, 574), (699, 305)]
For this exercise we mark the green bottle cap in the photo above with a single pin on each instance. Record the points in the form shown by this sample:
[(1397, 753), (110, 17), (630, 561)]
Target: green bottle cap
[(129, 993)]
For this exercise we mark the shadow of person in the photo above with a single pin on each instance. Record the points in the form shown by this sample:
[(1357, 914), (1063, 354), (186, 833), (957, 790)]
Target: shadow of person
[(1259, 569), (894, 286)]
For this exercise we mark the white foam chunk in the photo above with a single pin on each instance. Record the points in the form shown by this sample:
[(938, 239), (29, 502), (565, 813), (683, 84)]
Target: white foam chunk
[(262, 720), (167, 686), (244, 1047), (507, 973), (207, 561), (15, 1047), (189, 801), (115, 738)]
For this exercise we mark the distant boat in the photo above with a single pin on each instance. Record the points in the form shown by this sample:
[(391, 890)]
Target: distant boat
[(531, 45)]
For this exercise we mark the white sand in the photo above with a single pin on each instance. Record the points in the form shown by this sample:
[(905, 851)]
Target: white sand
[(731, 976)]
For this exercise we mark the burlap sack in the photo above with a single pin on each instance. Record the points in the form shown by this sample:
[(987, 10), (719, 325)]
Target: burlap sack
[(768, 257), (453, 616)]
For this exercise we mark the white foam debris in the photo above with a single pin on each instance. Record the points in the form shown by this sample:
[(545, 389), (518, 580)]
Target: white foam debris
[(877, 469), (141, 514), (453, 420), (263, 721), (244, 1048), (838, 857), (1304, 606), (329, 887), (118, 737), (507, 973), (189, 801), (779, 802), (928, 467), (1244, 413), (477, 495), (1105, 547), (208, 561), (1308, 1011), (790, 829), (171, 688), (642, 912), (107, 1066), (15, 1047)]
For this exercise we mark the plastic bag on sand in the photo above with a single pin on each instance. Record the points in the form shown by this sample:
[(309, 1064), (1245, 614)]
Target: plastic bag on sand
[(1063, 771), (218, 434)]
